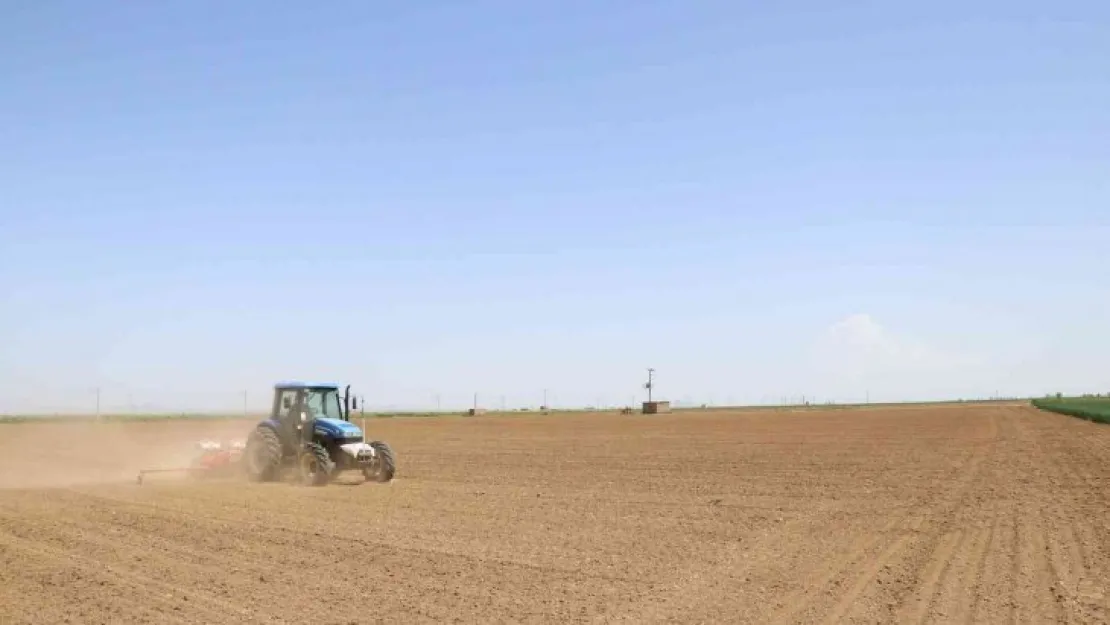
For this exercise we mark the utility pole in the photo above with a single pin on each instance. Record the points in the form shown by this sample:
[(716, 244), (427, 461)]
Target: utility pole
[(361, 413), (544, 399), (439, 405), (650, 383), (475, 402)]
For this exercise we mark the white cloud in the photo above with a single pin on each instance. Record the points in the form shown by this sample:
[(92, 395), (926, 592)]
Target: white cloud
[(857, 356)]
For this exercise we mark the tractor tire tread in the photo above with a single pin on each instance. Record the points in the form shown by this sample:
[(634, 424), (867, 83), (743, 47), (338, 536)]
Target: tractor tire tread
[(386, 460), (323, 460), (268, 438)]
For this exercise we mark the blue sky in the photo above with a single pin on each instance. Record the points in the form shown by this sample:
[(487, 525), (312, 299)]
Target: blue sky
[(431, 199)]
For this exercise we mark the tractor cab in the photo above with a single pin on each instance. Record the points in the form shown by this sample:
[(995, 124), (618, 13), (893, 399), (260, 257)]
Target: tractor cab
[(300, 401), (307, 411)]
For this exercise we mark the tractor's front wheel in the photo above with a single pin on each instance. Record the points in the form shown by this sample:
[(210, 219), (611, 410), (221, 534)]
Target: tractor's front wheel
[(316, 465), (384, 465), (262, 455)]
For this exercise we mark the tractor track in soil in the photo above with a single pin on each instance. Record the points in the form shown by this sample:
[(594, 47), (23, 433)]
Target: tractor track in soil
[(931, 514)]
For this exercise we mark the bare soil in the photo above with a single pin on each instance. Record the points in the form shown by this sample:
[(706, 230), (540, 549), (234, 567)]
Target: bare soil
[(973, 514)]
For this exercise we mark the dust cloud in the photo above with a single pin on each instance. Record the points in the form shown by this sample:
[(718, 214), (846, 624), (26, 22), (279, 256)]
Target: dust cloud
[(61, 454)]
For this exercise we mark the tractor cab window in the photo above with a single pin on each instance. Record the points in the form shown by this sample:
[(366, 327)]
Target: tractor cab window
[(323, 403), (286, 403)]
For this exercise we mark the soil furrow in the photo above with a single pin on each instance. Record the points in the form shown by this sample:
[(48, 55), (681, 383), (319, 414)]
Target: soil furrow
[(917, 609), (847, 600)]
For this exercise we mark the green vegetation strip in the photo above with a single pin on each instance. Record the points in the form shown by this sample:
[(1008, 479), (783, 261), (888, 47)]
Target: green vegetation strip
[(1090, 408)]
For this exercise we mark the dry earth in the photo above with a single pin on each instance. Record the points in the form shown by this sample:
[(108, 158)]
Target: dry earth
[(985, 514)]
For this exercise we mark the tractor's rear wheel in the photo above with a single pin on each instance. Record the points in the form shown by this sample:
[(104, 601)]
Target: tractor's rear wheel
[(384, 465), (316, 465), (262, 455)]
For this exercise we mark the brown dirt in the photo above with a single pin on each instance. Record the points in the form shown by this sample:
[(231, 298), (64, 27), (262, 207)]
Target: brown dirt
[(985, 514)]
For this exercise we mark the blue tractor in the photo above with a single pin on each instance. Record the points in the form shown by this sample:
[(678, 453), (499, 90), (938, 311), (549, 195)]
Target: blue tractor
[(310, 429)]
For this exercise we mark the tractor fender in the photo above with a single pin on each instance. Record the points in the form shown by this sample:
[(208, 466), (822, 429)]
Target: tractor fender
[(270, 423)]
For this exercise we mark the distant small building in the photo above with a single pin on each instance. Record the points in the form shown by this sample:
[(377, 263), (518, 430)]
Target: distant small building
[(656, 407)]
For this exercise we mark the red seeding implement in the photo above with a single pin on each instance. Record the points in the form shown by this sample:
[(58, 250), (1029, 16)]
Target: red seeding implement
[(213, 459)]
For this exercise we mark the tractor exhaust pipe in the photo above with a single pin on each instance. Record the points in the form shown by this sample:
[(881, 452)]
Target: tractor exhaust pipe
[(347, 401)]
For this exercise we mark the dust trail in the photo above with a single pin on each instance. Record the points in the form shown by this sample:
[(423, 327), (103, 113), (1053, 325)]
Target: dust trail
[(56, 454)]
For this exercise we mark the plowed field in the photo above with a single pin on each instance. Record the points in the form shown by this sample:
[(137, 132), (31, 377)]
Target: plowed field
[(985, 514)]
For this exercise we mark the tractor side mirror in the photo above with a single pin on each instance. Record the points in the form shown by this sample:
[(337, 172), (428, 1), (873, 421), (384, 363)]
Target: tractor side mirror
[(354, 403), (286, 402)]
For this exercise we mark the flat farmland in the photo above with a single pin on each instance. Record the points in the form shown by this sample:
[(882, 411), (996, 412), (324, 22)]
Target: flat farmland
[(929, 514)]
